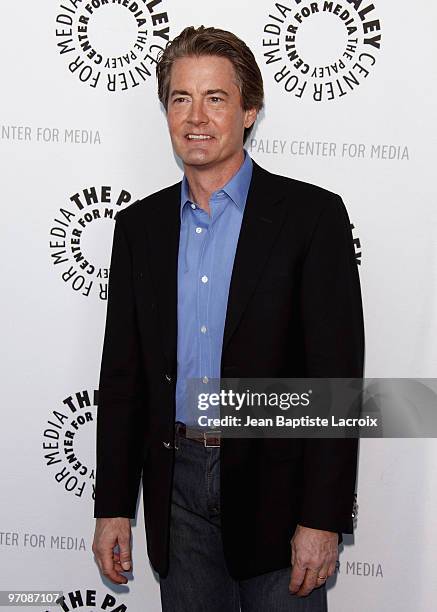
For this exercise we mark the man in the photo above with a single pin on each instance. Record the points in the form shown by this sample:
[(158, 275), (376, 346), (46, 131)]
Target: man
[(232, 272)]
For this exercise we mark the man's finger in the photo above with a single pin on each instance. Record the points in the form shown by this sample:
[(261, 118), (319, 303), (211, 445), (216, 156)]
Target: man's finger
[(323, 575), (296, 578), (310, 582), (125, 553), (117, 564), (109, 569), (331, 568)]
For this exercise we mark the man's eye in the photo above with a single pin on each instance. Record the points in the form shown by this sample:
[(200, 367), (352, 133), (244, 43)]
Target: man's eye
[(216, 99), (179, 100)]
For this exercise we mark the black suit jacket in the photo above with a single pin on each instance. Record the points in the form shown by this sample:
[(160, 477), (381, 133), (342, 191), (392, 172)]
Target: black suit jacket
[(294, 310)]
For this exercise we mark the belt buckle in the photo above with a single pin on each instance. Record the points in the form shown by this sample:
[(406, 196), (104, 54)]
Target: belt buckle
[(205, 442)]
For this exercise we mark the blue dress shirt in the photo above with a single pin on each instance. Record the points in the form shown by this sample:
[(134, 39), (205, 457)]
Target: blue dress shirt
[(207, 248)]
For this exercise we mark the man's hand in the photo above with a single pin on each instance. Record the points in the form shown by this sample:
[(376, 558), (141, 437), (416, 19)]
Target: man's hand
[(108, 533), (314, 553)]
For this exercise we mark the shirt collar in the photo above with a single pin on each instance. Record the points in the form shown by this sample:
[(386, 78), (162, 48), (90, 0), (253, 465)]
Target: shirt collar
[(236, 188)]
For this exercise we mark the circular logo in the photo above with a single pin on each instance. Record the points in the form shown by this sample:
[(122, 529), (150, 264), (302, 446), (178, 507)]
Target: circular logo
[(80, 238), (90, 599), (69, 443), (322, 50), (113, 44)]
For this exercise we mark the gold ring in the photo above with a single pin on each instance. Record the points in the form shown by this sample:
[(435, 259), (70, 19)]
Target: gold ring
[(322, 577)]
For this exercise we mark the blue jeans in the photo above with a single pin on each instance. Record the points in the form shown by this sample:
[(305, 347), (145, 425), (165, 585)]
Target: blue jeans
[(198, 579)]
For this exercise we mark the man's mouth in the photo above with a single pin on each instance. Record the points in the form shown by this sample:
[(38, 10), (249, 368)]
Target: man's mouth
[(198, 137)]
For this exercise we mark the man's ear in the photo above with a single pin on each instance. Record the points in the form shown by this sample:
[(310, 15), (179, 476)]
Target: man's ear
[(249, 117)]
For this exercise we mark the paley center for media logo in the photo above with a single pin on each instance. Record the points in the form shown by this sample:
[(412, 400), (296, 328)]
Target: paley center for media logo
[(321, 50), (112, 44), (69, 443), (89, 599), (81, 235)]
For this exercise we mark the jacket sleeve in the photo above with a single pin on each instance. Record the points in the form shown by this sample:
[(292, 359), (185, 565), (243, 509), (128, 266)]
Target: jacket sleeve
[(333, 329), (120, 413)]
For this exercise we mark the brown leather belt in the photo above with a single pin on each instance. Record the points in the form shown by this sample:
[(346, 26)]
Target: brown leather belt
[(207, 438)]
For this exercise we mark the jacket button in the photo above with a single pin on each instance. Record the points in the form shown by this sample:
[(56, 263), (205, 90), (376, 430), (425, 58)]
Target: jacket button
[(168, 377)]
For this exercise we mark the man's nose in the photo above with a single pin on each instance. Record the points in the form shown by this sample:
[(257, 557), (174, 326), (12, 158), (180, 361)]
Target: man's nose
[(197, 112)]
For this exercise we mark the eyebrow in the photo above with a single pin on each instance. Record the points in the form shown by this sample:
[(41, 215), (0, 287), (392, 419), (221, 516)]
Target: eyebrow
[(208, 92)]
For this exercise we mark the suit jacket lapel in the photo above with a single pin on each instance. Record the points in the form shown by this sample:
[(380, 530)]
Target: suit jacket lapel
[(262, 219), (163, 225)]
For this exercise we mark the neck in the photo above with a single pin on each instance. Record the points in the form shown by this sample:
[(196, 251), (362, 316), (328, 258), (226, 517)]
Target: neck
[(204, 180)]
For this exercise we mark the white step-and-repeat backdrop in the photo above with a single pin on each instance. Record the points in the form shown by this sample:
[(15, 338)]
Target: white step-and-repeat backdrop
[(350, 104)]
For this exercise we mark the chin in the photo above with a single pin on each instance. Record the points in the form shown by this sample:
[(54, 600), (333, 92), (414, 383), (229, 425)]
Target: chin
[(197, 160)]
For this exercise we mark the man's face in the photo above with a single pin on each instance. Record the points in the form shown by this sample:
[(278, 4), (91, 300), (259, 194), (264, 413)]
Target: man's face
[(204, 100)]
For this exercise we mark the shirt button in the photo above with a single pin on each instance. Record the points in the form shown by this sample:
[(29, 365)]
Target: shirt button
[(204, 279), (198, 230), (203, 329), (193, 205), (168, 377), (205, 379)]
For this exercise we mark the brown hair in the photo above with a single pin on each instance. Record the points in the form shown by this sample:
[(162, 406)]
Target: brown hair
[(213, 41)]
